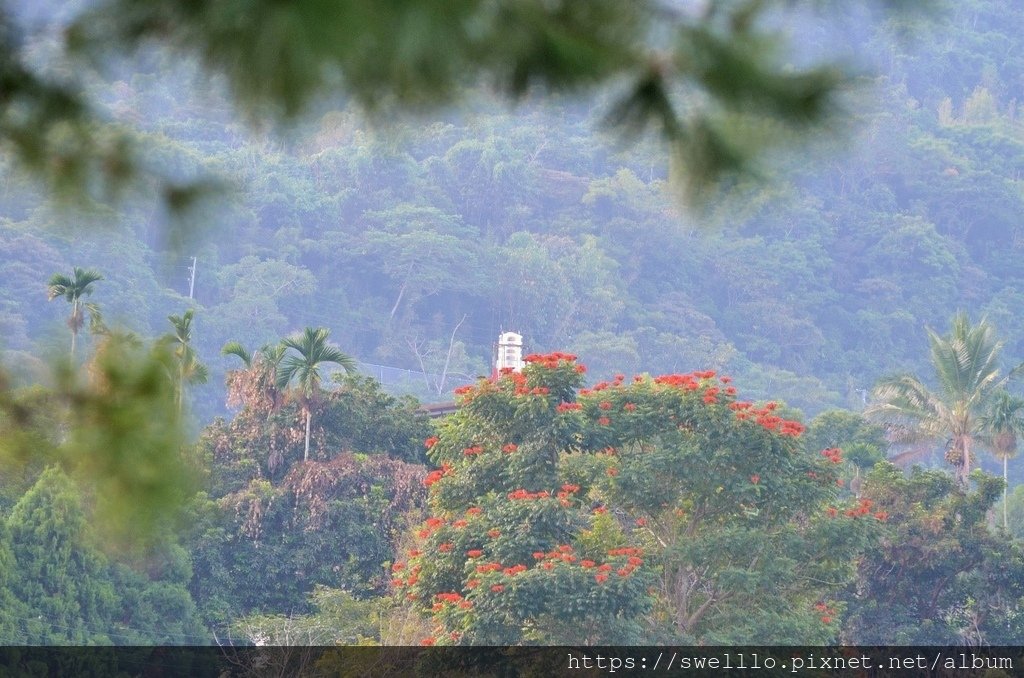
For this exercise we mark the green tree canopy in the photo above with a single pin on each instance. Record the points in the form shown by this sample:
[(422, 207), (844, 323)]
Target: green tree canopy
[(939, 575)]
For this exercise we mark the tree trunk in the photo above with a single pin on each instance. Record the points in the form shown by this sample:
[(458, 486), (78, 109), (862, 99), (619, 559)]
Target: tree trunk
[(181, 389), (309, 416), (73, 324), (1005, 486), (967, 460)]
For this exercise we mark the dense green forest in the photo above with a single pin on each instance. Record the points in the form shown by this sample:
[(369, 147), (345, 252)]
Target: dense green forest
[(602, 507)]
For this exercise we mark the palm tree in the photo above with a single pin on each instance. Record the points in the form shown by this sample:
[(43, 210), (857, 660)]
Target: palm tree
[(73, 290), (190, 370), (303, 366), (1003, 422), (966, 363)]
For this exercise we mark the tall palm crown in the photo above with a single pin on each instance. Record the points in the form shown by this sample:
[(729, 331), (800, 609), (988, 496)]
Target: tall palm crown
[(190, 370), (966, 363), (73, 289), (303, 367), (1004, 424)]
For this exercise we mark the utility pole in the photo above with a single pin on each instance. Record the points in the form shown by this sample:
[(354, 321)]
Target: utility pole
[(192, 278)]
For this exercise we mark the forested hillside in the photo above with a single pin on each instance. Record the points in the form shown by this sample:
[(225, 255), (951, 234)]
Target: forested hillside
[(411, 238), (569, 502)]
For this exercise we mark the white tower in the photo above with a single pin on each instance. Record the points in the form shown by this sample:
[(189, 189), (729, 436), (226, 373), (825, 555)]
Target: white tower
[(510, 352)]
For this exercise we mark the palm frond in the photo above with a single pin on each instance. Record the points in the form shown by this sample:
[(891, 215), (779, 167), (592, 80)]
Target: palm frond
[(311, 350), (85, 277), (196, 373), (286, 371), (236, 349), (58, 286), (182, 325), (905, 400), (96, 324)]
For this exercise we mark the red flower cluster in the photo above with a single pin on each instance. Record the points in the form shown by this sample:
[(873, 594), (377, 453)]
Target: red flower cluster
[(489, 567), (514, 570), (793, 429), (521, 495), (605, 405), (550, 360), (436, 475), (475, 449), (764, 418), (604, 421), (833, 454), (566, 491), (756, 478), (430, 525), (825, 611), (633, 561), (474, 511), (414, 576), (446, 547), (459, 524), (687, 382), (494, 534), (430, 442), (510, 448), (474, 553), (862, 508), (567, 407), (518, 380), (612, 472), (629, 407)]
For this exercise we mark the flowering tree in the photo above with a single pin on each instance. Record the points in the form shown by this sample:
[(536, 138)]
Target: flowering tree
[(511, 554), (751, 541), (661, 508)]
